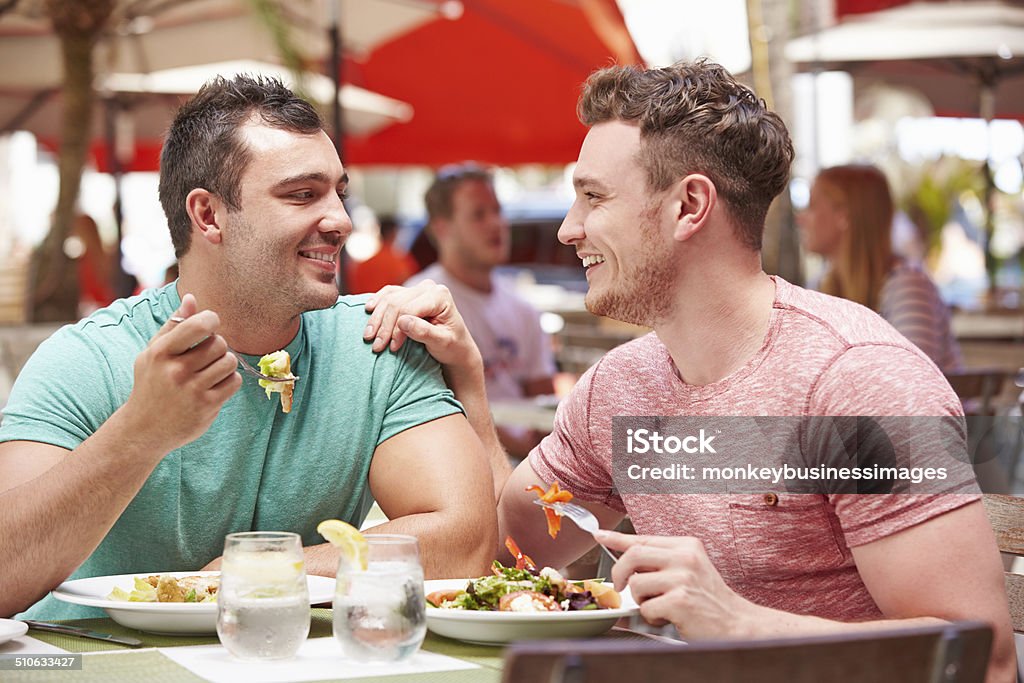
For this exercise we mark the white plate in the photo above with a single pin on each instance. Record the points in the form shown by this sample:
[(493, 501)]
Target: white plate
[(491, 628), (11, 629), (171, 618)]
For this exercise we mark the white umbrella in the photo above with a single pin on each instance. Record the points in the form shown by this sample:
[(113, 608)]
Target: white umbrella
[(205, 31), (365, 111), (966, 57), (146, 102)]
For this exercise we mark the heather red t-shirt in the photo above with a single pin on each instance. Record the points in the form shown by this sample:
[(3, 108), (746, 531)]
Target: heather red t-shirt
[(822, 356)]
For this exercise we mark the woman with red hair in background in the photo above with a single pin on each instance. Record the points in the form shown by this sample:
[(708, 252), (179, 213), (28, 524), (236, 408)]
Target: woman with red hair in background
[(848, 221)]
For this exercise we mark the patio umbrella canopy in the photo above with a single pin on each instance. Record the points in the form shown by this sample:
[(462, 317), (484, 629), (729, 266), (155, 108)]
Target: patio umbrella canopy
[(142, 62), (144, 105), (167, 35), (497, 85), (966, 57)]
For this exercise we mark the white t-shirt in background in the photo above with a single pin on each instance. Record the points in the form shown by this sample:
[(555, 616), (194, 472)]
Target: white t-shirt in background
[(505, 327)]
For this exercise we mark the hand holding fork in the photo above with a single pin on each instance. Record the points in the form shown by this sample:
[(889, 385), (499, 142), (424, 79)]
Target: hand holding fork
[(580, 516), (243, 364)]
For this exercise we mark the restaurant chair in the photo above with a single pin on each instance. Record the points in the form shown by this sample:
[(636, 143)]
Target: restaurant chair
[(990, 401), (15, 275), (578, 346), (1006, 514), (954, 652), (978, 388)]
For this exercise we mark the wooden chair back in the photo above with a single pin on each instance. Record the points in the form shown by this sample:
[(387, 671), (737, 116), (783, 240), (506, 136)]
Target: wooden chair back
[(979, 388), (955, 652), (14, 291), (1006, 514)]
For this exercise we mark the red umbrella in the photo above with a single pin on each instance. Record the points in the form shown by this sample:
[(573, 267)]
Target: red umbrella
[(845, 7), (497, 85)]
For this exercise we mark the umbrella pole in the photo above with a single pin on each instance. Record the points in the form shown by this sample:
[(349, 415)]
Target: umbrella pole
[(121, 281), (336, 114), (336, 77), (987, 109)]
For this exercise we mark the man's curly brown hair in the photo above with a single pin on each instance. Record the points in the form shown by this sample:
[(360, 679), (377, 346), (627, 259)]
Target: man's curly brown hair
[(694, 117)]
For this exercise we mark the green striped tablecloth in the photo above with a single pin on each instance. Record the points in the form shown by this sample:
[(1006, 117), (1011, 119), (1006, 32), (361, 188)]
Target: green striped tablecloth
[(129, 665)]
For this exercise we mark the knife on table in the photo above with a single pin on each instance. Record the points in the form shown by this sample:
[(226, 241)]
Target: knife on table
[(83, 633)]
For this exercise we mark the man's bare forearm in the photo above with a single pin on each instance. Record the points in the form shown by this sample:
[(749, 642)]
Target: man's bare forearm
[(765, 622), (467, 382), (52, 523)]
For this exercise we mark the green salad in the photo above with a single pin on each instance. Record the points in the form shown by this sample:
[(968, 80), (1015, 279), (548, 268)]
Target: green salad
[(520, 590), (166, 588)]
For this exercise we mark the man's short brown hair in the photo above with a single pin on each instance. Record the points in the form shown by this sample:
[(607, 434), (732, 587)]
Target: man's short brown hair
[(448, 179), (694, 117), (205, 148)]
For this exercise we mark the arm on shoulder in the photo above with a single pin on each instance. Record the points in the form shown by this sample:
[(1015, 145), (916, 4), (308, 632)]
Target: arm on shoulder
[(539, 386)]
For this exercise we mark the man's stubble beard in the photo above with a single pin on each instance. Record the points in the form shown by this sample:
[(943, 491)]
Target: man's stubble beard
[(259, 291), (643, 293)]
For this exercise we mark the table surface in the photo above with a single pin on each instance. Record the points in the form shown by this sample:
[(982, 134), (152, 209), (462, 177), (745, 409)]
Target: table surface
[(147, 664), (529, 413)]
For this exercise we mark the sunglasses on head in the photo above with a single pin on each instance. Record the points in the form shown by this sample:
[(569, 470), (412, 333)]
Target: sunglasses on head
[(462, 170)]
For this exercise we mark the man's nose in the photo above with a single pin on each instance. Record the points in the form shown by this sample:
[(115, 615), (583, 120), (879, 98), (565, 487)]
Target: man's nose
[(336, 219), (497, 218), (571, 229)]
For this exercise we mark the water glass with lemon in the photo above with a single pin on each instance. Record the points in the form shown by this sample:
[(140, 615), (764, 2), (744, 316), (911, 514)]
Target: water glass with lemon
[(263, 601), (379, 607)]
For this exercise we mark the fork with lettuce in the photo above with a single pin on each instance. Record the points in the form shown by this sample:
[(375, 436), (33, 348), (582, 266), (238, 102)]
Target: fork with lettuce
[(278, 364)]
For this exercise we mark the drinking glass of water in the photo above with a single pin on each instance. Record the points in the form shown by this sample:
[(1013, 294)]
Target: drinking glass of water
[(379, 609), (263, 600)]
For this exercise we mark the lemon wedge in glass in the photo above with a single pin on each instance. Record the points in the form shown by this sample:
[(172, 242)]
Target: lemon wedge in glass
[(347, 539)]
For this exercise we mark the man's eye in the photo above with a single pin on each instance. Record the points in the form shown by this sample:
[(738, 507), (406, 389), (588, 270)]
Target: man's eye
[(304, 194), (343, 195), (592, 196)]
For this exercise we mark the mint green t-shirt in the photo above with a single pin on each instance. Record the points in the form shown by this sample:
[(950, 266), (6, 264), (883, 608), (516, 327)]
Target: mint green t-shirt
[(256, 468)]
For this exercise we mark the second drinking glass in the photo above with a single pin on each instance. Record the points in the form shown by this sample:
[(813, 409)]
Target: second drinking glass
[(379, 609)]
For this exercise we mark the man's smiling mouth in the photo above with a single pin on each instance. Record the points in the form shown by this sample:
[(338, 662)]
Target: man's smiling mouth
[(318, 256)]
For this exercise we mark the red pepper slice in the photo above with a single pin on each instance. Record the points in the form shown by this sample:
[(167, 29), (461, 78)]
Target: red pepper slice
[(522, 561), (554, 494)]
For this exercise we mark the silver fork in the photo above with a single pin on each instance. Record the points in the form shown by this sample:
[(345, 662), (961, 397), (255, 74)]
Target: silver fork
[(580, 516), (256, 373), (243, 364)]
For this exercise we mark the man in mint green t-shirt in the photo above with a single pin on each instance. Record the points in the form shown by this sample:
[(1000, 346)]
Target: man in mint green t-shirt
[(131, 443)]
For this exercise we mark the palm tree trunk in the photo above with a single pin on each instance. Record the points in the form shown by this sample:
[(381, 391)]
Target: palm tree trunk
[(769, 23), (78, 25)]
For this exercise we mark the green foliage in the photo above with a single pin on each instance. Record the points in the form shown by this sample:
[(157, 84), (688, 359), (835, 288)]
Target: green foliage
[(931, 191), (270, 15)]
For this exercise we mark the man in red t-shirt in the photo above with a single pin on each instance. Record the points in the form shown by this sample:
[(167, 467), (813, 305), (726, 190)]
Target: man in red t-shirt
[(673, 183), (389, 266)]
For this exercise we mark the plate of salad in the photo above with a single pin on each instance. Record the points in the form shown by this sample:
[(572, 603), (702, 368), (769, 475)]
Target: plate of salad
[(520, 604), (173, 603)]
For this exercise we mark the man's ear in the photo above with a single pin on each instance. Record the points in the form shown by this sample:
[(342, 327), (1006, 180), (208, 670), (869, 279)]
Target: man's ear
[(203, 209), (694, 197), (438, 229)]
